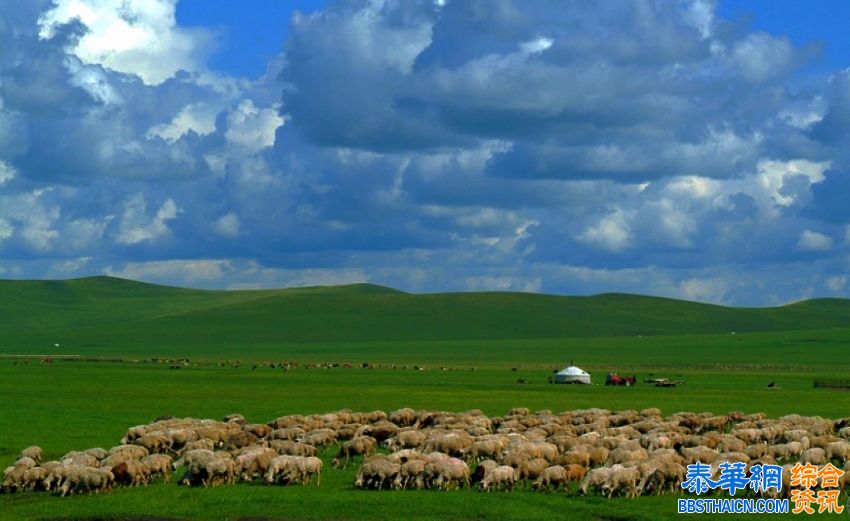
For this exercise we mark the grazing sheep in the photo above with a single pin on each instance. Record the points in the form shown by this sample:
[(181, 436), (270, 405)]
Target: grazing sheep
[(595, 478), (80, 459), (376, 472), (410, 473), (132, 451), (406, 439), (255, 462), (359, 446), (154, 443), (453, 473), (157, 466), (34, 452), (816, 456), (555, 475), (319, 437), (97, 453), (498, 478), (531, 469), (86, 479)]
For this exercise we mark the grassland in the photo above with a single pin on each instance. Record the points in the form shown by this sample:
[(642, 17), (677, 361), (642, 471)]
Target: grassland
[(479, 339)]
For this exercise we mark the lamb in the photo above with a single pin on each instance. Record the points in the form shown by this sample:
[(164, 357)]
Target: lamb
[(361, 445)]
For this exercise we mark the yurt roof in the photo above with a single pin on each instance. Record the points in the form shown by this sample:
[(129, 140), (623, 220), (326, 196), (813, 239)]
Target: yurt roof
[(572, 371)]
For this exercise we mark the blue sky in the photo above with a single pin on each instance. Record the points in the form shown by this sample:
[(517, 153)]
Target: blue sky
[(693, 149)]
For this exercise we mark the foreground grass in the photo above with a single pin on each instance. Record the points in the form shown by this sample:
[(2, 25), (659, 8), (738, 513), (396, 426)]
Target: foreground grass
[(76, 405)]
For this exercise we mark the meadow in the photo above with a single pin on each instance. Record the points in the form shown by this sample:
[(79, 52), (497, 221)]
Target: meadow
[(70, 405)]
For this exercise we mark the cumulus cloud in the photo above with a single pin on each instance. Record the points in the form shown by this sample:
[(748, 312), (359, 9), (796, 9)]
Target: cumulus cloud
[(427, 145), (138, 37), (252, 128), (227, 225), (137, 226), (195, 117), (7, 172), (611, 233), (814, 241)]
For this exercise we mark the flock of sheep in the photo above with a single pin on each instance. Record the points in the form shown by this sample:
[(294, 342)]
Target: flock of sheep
[(624, 453)]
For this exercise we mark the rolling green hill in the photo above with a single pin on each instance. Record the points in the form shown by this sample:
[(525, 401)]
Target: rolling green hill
[(100, 311)]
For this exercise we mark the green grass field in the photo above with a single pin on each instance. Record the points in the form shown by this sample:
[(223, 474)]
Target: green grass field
[(478, 338)]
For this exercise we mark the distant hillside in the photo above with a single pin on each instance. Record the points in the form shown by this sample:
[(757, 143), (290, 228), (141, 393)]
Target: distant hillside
[(104, 310)]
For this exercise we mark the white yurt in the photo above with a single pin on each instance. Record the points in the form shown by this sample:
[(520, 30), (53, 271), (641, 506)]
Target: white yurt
[(572, 375)]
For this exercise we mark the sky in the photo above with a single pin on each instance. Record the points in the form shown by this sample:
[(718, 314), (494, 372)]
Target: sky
[(694, 149)]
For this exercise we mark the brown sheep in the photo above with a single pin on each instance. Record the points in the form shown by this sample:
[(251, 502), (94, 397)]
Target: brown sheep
[(359, 446)]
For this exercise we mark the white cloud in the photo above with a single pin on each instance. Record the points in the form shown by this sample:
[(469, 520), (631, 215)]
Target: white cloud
[(252, 128), (227, 225), (503, 283), (139, 37), (612, 233), (814, 241), (70, 267), (94, 81), (137, 227), (174, 271), (837, 283), (6, 229), (761, 56), (536, 46), (83, 233), (704, 289), (196, 117), (7, 172)]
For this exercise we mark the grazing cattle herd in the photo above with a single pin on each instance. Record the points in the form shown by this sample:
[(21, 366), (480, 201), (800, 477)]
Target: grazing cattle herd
[(591, 451)]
